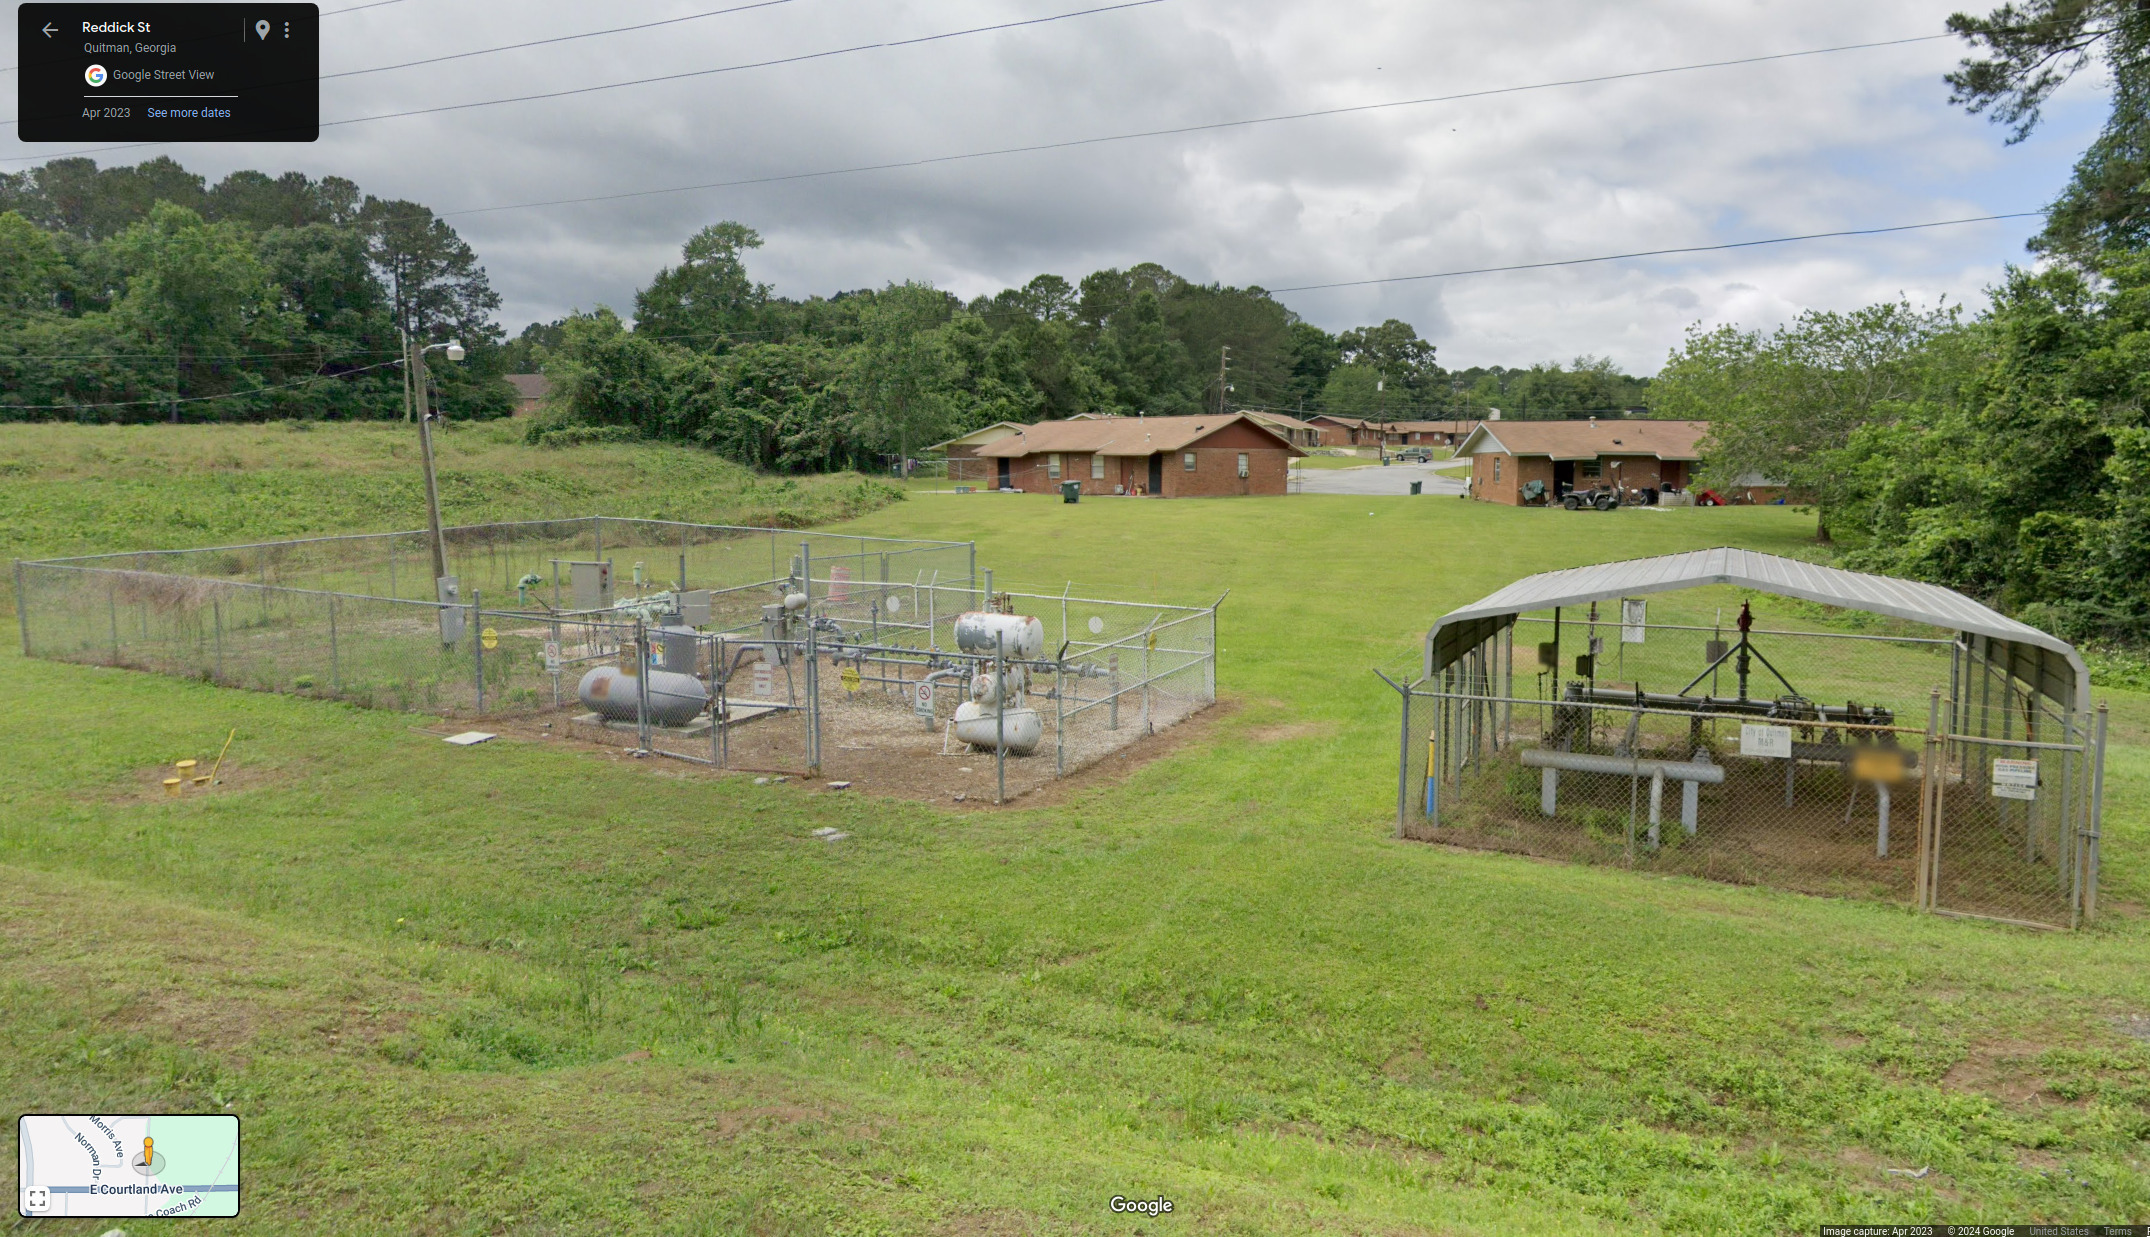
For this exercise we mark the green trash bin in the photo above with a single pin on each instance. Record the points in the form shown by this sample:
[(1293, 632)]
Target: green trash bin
[(1070, 491), (1414, 487)]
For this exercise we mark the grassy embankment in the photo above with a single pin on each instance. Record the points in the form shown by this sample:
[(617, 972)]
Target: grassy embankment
[(68, 489), (508, 989)]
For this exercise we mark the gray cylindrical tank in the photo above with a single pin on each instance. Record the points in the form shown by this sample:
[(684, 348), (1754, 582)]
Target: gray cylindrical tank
[(674, 699), (1016, 635)]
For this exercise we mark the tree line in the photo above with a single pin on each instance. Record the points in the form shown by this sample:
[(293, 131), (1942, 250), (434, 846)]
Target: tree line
[(858, 378), (143, 293)]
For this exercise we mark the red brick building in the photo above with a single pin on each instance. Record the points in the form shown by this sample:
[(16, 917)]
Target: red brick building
[(1578, 455), (1165, 457)]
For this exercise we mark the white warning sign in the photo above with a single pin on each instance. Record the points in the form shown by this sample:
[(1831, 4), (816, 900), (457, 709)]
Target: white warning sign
[(2015, 779), (1771, 742)]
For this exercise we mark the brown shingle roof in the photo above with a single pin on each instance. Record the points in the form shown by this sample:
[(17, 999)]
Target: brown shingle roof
[(1118, 435), (1587, 440)]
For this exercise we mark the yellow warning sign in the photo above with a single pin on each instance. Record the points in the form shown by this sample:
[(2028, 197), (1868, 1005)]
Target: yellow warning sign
[(850, 677), (489, 638)]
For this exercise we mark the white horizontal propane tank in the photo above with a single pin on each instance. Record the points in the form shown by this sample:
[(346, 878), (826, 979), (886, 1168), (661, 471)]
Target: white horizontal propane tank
[(977, 725), (674, 699), (1018, 636)]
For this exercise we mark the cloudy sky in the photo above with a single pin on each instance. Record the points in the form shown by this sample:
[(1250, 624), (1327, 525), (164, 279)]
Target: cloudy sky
[(1847, 140)]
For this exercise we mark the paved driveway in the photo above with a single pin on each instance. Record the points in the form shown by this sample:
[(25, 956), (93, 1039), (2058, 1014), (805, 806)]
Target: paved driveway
[(1374, 479)]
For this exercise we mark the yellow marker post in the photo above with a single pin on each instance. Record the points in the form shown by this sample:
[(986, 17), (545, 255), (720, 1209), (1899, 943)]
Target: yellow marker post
[(220, 753), (185, 768), (171, 786)]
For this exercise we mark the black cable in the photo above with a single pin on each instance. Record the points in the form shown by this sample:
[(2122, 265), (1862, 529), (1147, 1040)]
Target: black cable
[(1175, 131), (564, 38), (1658, 253)]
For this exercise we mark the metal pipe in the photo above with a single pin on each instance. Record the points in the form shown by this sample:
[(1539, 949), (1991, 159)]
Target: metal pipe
[(1623, 766)]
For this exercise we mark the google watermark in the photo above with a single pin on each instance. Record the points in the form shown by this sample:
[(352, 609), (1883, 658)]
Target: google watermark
[(1143, 1206)]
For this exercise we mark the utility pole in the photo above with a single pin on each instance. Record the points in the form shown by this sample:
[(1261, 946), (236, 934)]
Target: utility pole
[(417, 369), (405, 336), (1224, 389)]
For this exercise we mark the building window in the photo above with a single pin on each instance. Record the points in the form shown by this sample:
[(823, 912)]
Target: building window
[(1588, 468), (1097, 468), (1187, 461), (1496, 468), (1242, 465), (1052, 467)]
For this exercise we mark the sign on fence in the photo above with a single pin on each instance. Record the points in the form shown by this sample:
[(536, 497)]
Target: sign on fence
[(1773, 742), (922, 699), (1634, 614), (2015, 779), (552, 657)]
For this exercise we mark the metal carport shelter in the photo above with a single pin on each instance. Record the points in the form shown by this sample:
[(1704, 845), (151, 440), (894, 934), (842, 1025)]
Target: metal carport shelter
[(2034, 685)]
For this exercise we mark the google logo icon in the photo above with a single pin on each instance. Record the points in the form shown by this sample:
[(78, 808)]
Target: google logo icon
[(95, 75)]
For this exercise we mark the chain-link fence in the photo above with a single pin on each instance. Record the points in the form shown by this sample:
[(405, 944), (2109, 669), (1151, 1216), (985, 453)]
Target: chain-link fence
[(800, 651), (1904, 768)]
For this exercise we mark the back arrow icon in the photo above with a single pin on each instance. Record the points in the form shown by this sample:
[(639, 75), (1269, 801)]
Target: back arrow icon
[(48, 29)]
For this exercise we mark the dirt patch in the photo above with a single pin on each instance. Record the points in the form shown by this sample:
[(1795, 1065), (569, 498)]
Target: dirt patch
[(147, 785), (1280, 732), (879, 749), (986, 1224), (2002, 1069), (738, 1121), (194, 976)]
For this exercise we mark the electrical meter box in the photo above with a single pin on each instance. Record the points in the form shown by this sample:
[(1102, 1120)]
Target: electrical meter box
[(592, 585)]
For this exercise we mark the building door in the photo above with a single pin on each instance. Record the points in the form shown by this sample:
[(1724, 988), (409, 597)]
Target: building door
[(1004, 472), (1563, 477), (1157, 473)]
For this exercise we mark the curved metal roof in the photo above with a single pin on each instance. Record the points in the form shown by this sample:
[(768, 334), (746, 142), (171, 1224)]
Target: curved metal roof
[(2046, 662)]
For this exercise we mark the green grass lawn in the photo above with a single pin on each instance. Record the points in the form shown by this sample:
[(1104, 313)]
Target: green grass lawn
[(512, 989)]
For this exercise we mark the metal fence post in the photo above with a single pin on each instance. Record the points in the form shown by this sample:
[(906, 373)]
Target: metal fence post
[(477, 645), (112, 616), (1930, 806), (22, 605), (641, 685), (216, 613), (1403, 762), (1000, 719), (335, 666), (2097, 815)]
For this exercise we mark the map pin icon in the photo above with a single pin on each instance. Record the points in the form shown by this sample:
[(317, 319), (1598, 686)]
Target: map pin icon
[(261, 28)]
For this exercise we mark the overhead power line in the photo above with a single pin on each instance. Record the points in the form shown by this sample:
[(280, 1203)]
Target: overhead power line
[(1179, 130), (1658, 253), (564, 38), (685, 75)]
